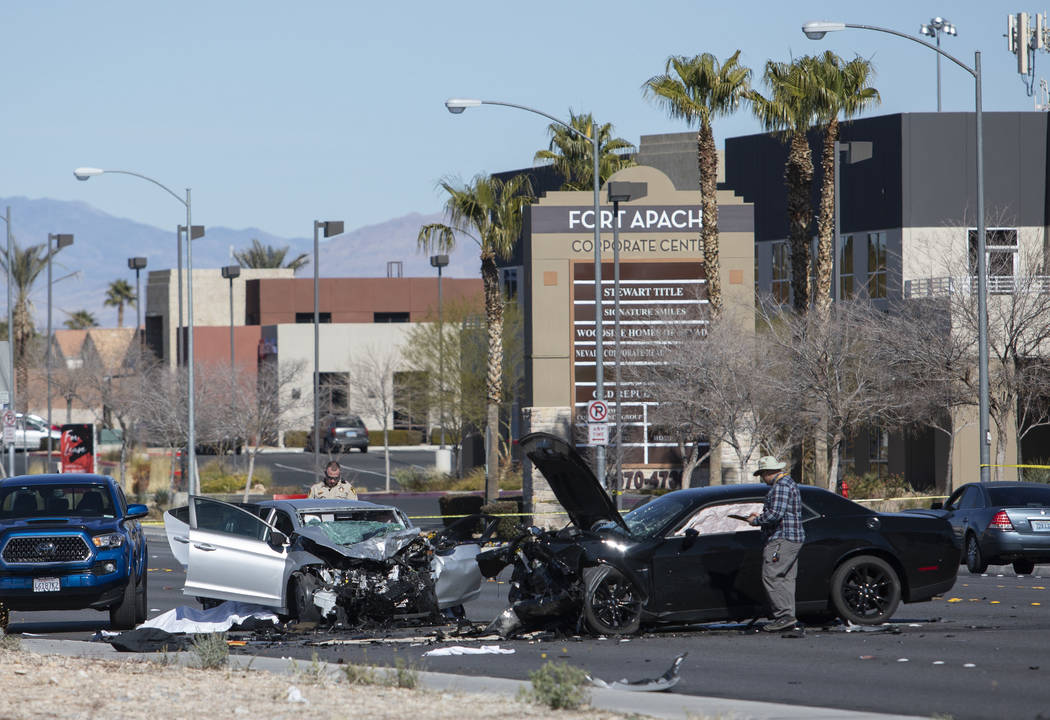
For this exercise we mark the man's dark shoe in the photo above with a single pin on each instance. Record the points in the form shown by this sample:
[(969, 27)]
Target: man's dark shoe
[(778, 625)]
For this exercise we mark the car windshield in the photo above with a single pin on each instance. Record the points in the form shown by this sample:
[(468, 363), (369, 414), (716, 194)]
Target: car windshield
[(346, 527), (1020, 496), (64, 499), (651, 518)]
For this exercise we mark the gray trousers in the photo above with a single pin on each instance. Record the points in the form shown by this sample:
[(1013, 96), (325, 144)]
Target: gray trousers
[(779, 568)]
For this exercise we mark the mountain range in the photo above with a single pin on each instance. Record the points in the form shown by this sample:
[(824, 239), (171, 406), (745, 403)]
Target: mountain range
[(103, 243)]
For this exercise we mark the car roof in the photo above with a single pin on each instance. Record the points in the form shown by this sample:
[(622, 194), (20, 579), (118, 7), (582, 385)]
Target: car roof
[(329, 504), (1005, 484), (52, 478)]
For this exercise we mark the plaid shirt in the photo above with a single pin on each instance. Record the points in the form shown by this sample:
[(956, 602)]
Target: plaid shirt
[(781, 516)]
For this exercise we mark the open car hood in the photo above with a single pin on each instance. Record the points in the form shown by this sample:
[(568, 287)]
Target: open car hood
[(572, 481)]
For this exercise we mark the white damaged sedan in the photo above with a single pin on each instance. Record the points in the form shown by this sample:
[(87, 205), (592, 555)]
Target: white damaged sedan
[(343, 561)]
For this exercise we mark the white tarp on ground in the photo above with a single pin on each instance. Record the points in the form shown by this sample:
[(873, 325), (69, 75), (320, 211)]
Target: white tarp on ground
[(217, 619), (460, 650)]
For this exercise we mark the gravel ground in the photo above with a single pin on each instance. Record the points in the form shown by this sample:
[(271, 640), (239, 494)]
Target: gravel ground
[(53, 686)]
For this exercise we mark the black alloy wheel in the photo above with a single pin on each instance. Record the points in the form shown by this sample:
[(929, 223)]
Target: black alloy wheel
[(975, 561), (611, 604), (865, 590)]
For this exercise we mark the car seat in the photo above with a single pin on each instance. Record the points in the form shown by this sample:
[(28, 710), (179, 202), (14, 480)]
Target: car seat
[(57, 505), (90, 504), (24, 504)]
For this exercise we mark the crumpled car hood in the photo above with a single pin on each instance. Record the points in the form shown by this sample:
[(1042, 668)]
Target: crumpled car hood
[(377, 548)]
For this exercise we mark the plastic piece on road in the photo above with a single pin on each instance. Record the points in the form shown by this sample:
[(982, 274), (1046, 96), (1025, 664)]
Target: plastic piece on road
[(665, 682)]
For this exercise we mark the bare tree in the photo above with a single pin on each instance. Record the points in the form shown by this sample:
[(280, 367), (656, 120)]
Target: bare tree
[(713, 383), (834, 372), (263, 406), (935, 376), (372, 389)]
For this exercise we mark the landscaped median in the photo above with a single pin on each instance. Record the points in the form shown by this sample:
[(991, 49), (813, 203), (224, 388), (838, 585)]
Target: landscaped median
[(39, 685)]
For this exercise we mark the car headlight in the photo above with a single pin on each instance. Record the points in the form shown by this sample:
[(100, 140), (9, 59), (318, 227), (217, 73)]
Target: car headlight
[(111, 540)]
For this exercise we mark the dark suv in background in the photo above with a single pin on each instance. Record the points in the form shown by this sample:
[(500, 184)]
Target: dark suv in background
[(69, 542), (339, 433)]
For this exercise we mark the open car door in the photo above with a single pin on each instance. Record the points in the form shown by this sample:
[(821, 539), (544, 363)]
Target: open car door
[(234, 555)]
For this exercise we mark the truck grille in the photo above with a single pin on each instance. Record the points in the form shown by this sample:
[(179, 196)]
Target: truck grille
[(46, 549)]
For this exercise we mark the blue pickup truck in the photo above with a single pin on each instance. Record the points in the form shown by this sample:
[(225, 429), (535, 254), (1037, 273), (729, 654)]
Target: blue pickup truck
[(69, 542)]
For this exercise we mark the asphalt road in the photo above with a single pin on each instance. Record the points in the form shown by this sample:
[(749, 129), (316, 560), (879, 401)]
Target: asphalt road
[(978, 652)]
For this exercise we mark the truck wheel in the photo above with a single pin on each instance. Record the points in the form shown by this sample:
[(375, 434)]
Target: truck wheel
[(142, 601), (122, 615)]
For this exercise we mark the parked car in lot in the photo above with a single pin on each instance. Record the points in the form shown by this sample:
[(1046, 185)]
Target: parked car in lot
[(339, 433), (999, 523), (690, 556), (30, 430), (342, 561), (69, 542)]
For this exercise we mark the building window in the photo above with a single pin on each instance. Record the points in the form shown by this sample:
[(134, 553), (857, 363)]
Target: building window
[(411, 406), (781, 285), (333, 392), (1000, 251), (878, 451), (390, 317), (846, 289), (509, 282), (877, 265), (307, 318)]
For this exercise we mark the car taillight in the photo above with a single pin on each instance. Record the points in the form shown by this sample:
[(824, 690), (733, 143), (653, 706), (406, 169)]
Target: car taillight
[(1001, 521), (332, 432)]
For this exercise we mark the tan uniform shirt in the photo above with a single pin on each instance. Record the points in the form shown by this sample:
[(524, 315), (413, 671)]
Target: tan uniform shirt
[(341, 490)]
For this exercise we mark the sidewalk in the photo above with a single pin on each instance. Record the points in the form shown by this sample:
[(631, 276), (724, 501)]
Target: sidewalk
[(661, 705)]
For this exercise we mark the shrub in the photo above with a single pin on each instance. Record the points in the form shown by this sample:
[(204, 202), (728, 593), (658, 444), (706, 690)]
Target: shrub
[(217, 478), (295, 438), (395, 437), (1039, 475), (139, 468), (506, 527), (451, 438), (211, 650), (415, 479), (360, 674), (893, 492), (559, 686), (402, 675), (161, 499)]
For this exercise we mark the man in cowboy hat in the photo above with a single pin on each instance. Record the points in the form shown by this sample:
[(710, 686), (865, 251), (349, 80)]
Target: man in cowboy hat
[(781, 523)]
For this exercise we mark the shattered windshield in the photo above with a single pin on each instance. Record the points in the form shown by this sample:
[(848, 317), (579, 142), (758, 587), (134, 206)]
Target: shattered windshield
[(651, 518), (348, 527)]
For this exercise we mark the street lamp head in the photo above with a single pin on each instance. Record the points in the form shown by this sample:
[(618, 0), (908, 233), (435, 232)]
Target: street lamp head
[(926, 30), (87, 172), (458, 105), (438, 261), (817, 29), (61, 240), (229, 272), (136, 263)]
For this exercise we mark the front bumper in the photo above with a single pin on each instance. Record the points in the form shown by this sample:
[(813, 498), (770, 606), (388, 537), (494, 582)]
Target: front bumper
[(78, 591)]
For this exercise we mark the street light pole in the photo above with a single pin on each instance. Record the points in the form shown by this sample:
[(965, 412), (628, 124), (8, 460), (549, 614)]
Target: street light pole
[(933, 29), (457, 106), (136, 264), (61, 240), (330, 228), (230, 272), (816, 31), (86, 173), (440, 261), (10, 342)]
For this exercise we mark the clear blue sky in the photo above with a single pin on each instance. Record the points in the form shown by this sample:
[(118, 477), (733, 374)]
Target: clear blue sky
[(277, 113)]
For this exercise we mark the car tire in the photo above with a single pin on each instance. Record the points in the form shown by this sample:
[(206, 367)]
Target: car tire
[(142, 599), (364, 449), (865, 590), (300, 598), (1024, 567), (611, 603), (122, 615), (975, 560)]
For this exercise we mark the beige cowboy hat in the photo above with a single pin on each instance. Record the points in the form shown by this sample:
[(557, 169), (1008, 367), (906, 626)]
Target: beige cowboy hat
[(768, 462)]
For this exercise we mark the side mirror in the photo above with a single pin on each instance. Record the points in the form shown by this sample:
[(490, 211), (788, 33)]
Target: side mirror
[(936, 505), (691, 534), (278, 538), (136, 511)]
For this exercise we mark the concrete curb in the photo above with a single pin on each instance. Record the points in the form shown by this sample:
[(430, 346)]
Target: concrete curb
[(672, 706)]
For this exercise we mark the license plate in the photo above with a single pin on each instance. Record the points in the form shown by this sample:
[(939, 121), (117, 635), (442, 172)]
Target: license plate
[(46, 584), (1040, 525)]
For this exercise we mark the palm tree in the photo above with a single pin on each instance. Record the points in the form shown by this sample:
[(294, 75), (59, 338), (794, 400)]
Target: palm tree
[(841, 88), (489, 211), (26, 265), (82, 320), (699, 89), (118, 294), (268, 256), (792, 112), (572, 155)]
